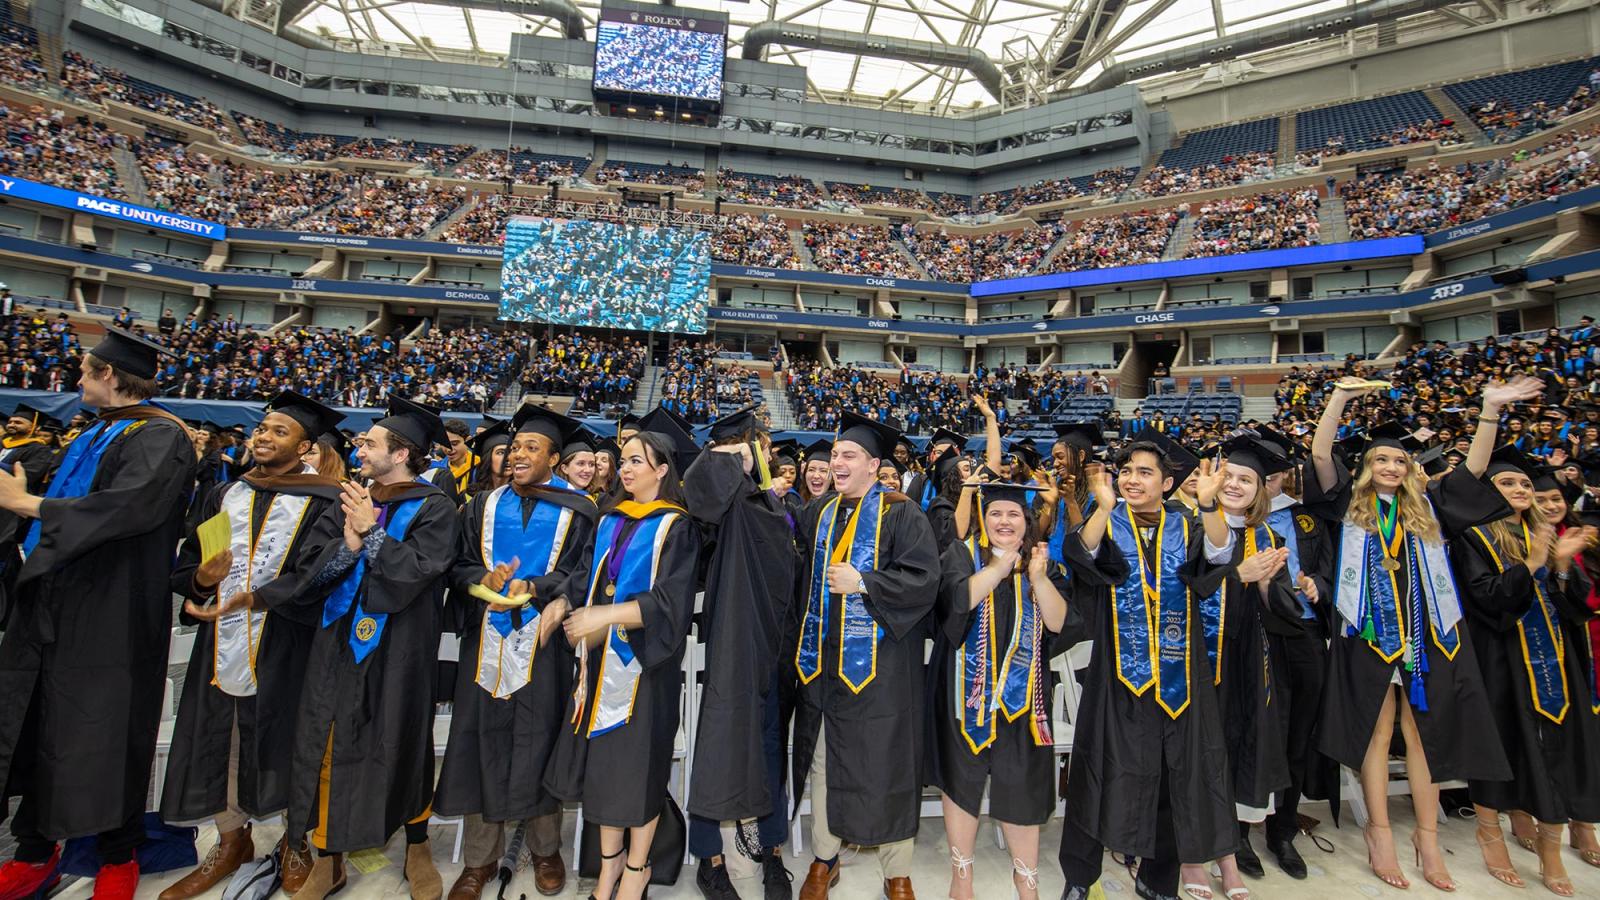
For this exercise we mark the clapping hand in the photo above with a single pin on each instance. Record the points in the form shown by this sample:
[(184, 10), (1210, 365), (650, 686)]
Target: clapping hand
[(1039, 562), (1263, 565), (1105, 496), (495, 579)]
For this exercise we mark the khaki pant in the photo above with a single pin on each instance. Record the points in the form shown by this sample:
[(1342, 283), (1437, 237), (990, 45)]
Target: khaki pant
[(894, 859), (233, 818), (484, 842)]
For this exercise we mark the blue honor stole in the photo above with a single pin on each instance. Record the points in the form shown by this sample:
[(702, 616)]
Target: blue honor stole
[(858, 632), (76, 472), (1213, 609), (367, 629), (630, 573), (508, 641), (1150, 609), (1543, 645), (1058, 531), (988, 685)]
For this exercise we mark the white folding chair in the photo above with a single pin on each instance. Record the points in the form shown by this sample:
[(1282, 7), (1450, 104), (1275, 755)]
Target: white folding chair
[(180, 646), (449, 651)]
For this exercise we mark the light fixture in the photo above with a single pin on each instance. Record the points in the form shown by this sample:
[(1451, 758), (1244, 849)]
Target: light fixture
[(660, 113), (685, 115), (632, 109)]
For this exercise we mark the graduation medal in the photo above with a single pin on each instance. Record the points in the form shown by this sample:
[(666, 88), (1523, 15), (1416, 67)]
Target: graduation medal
[(611, 590), (1389, 532)]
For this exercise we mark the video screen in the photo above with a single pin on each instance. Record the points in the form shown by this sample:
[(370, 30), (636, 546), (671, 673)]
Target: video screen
[(660, 55), (605, 275)]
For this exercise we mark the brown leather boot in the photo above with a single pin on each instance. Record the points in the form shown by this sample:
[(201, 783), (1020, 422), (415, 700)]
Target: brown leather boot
[(819, 878), (421, 873), (469, 884), (326, 878), (898, 889), (549, 874), (294, 865), (233, 849)]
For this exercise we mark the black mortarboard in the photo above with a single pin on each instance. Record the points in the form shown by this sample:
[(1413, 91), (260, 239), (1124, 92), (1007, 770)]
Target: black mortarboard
[(338, 440), (674, 415), (822, 449), (999, 491), (582, 442), (664, 422), (1433, 462), (40, 417), (415, 422), (1544, 479), (1255, 454), (1508, 458), (785, 453), (942, 468), (942, 435), (558, 428), (1028, 453), (314, 417), (1280, 440), (741, 421), (627, 419), (877, 438), (1084, 435), (1393, 434), (892, 463), (129, 352), (1179, 459), (608, 445), (498, 434)]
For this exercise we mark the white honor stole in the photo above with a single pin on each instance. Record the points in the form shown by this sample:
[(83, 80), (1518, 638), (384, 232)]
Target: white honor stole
[(1436, 582), (257, 560), (505, 661)]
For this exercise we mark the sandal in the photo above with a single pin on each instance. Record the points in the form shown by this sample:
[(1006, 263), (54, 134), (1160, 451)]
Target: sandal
[(1521, 823), (1198, 890), (1392, 877), (1030, 877), (603, 858), (1592, 857), (962, 865), (1504, 874), (1441, 878), (1550, 842)]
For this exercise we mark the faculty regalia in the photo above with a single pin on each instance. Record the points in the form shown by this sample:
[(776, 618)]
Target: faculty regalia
[(365, 721), (749, 583), (614, 752), (1125, 744), (874, 729), (509, 692), (1530, 637), (255, 677), (1453, 714), (997, 651), (83, 664)]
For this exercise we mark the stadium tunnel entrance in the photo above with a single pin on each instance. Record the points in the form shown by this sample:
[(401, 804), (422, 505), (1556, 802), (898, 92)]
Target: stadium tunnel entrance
[(1151, 360)]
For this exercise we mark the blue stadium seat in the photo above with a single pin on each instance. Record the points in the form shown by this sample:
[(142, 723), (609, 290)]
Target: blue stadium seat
[(1553, 85), (1203, 148), (1362, 124)]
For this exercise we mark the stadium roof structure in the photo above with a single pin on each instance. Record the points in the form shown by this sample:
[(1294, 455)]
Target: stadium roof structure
[(947, 57)]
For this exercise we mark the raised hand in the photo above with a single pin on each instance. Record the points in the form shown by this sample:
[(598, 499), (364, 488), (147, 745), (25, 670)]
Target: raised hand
[(1571, 543), (1039, 562), (1521, 389), (982, 404), (1210, 480), (1105, 495)]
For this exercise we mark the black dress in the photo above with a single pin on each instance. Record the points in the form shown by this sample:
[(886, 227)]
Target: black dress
[(1020, 773), (1458, 715), (1553, 766), (621, 776)]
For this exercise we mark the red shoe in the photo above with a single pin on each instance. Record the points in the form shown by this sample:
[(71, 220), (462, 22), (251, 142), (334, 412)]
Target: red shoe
[(19, 880), (117, 882)]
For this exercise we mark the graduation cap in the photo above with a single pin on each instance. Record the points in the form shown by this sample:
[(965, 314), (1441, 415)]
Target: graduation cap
[(1255, 454), (942, 435), (877, 438), (1394, 436), (559, 429), (1003, 491), (738, 423), (40, 418), (942, 469), (784, 453), (130, 353), (338, 441), (498, 434), (1508, 458), (628, 420), (1028, 453), (821, 449), (1280, 440), (903, 441), (608, 445), (1083, 435), (583, 442), (889, 462), (1433, 461), (416, 422), (665, 423), (312, 416), (1179, 459)]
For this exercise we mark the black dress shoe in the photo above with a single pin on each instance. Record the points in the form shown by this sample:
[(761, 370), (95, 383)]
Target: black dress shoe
[(1249, 862), (1075, 893), (1149, 893), (1289, 859)]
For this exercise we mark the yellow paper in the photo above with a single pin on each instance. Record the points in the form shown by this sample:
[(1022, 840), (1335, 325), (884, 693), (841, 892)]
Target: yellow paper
[(367, 861), (495, 599), (215, 536)]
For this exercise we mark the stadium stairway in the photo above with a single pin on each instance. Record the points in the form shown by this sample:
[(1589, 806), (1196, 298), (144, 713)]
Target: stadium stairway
[(1050, 255), (645, 396), (797, 240), (1453, 111), (128, 173), (1335, 224), (598, 162), (508, 403), (51, 47), (908, 256), (1182, 235), (460, 213), (1262, 409), (1286, 132)]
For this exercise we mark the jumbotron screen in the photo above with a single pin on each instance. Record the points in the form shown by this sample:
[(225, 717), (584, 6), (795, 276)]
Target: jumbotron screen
[(659, 55), (605, 275)]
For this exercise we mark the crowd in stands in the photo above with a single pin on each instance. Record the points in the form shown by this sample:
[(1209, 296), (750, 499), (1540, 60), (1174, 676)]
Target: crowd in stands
[(388, 206), (1268, 221), (53, 147), (791, 191), (40, 351), (853, 249), (1162, 181), (1444, 132), (1502, 122), (685, 176), (484, 223), (457, 368), (1384, 204), (1106, 183), (864, 195), (94, 82), (761, 241), (186, 180), (495, 165), (696, 385), (1006, 254), (20, 65), (596, 372), (920, 401), (1127, 239), (437, 157)]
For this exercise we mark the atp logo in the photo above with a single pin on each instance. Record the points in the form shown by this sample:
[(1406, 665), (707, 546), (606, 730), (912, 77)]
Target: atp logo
[(1446, 291)]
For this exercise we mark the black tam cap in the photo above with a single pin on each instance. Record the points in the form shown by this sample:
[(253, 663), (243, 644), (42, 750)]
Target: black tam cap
[(1508, 458), (314, 417), (498, 434), (944, 435), (877, 438), (416, 422), (129, 352), (1084, 435), (1395, 436), (1255, 454), (664, 422), (739, 422), (531, 418)]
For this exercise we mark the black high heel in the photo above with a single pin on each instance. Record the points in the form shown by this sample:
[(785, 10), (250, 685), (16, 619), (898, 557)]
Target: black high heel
[(603, 858), (645, 894)]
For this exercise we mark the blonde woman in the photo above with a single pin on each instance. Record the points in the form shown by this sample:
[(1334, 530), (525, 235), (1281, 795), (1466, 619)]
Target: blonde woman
[(1527, 613), (1398, 646)]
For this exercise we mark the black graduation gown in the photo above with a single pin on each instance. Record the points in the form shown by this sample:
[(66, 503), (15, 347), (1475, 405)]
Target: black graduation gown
[(205, 479), (196, 786), (749, 584), (495, 761), (942, 519), (37, 462), (83, 665), (1021, 774), (1554, 776), (1254, 714), (1123, 744), (874, 737), (379, 712), (1458, 714), (631, 765)]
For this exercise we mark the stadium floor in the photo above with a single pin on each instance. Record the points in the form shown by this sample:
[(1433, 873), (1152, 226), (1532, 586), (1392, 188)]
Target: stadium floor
[(1341, 874)]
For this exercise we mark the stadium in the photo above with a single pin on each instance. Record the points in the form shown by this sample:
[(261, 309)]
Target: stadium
[(1184, 214)]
